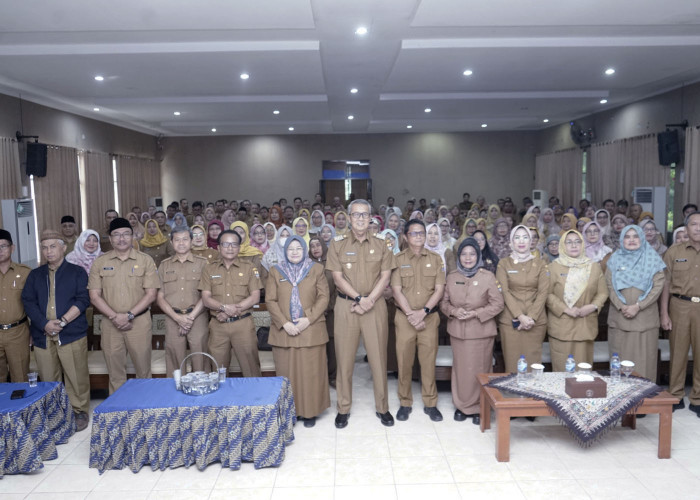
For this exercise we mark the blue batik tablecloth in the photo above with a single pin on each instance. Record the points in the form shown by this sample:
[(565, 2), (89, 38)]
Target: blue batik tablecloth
[(148, 421), (31, 427)]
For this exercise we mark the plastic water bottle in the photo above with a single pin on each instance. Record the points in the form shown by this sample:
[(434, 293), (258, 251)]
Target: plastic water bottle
[(570, 366), (522, 370), (615, 368)]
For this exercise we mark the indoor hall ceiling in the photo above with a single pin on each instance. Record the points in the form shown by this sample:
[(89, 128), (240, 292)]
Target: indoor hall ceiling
[(531, 62)]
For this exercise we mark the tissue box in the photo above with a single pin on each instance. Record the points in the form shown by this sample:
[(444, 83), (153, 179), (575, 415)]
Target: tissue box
[(595, 389)]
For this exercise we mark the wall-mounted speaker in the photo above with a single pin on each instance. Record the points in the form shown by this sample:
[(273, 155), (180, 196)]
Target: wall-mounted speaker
[(36, 159), (669, 147)]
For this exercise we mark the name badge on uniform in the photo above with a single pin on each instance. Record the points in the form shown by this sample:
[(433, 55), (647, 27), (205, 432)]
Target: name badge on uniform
[(169, 272), (349, 253), (215, 276), (405, 265), (460, 283), (681, 260), (283, 279), (512, 271), (108, 269), (563, 274)]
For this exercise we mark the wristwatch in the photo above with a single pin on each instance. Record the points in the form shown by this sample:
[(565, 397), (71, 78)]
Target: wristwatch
[(358, 298), (62, 323), (130, 315), (427, 311)]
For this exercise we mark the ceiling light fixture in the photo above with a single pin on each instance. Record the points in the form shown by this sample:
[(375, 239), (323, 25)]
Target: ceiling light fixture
[(546, 120), (351, 117), (99, 78), (484, 125), (291, 129), (610, 71), (427, 110), (409, 126), (603, 101), (176, 113), (467, 72), (245, 76), (213, 130), (353, 91), (361, 31), (95, 109), (276, 112)]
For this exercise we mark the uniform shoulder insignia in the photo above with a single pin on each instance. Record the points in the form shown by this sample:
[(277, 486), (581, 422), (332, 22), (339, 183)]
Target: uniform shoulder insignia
[(340, 237), (199, 257), (379, 236), (256, 273), (498, 284)]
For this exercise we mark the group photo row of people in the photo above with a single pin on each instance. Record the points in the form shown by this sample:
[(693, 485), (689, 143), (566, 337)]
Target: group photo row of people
[(330, 274)]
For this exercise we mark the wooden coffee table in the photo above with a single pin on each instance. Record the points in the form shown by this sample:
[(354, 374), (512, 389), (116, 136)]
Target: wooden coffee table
[(506, 407)]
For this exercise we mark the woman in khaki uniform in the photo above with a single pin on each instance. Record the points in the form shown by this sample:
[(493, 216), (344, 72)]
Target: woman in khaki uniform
[(297, 297), (525, 283), (635, 278), (155, 243), (199, 244), (471, 302), (577, 292)]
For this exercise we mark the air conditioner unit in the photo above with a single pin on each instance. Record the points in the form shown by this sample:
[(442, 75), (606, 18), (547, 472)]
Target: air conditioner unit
[(653, 199), (18, 218), (540, 198), (156, 201)]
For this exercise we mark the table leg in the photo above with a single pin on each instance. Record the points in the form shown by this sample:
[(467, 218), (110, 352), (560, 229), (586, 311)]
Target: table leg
[(629, 420), (502, 436), (665, 422), (485, 411)]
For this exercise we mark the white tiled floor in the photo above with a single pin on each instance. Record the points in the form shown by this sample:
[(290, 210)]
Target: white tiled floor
[(414, 459)]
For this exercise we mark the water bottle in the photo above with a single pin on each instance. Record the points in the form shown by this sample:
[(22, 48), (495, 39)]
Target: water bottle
[(615, 368), (570, 366), (522, 370)]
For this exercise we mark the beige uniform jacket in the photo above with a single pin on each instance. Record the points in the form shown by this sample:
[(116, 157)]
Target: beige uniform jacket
[(561, 325), (480, 293), (417, 275), (361, 262), (211, 254), (683, 269), (159, 252), (313, 294), (648, 316), (11, 285), (180, 280), (232, 285), (525, 289)]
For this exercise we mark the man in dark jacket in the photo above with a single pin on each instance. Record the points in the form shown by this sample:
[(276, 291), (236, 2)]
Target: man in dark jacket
[(55, 297)]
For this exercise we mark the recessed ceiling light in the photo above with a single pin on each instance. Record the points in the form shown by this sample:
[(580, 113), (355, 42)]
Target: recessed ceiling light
[(467, 72), (361, 31), (245, 76), (484, 125), (291, 129), (546, 120), (350, 117), (603, 101), (99, 78), (427, 110), (276, 112), (353, 90), (95, 109), (213, 130), (176, 113), (610, 71), (409, 126)]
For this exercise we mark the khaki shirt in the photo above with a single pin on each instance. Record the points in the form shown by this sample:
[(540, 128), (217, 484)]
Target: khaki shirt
[(683, 269), (211, 254), (417, 275), (123, 282), (160, 252), (361, 262), (525, 289), (232, 285), (11, 285), (179, 281)]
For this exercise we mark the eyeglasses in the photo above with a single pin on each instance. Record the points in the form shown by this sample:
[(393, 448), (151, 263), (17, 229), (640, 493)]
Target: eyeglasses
[(649, 229), (360, 215), (229, 244), (416, 234), (573, 243), (120, 236), (197, 235), (5, 247), (592, 231)]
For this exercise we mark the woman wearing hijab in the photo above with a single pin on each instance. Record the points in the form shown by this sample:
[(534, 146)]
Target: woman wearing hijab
[(276, 251), (618, 222), (500, 242), (327, 234), (317, 221), (651, 234), (391, 239), (433, 242), (180, 221), (301, 228), (228, 217), (493, 216), (595, 248), (392, 222), (525, 283), (567, 223), (471, 302), (340, 222), (445, 226), (416, 214), (531, 220), (144, 217), (490, 259), (199, 244), (581, 222), (318, 251), (86, 250), (270, 232), (551, 248), (214, 229), (549, 224), (296, 294), (635, 279), (536, 243), (429, 217), (155, 243), (602, 217), (276, 216), (577, 293), (136, 225), (258, 238), (330, 218), (680, 235), (209, 215)]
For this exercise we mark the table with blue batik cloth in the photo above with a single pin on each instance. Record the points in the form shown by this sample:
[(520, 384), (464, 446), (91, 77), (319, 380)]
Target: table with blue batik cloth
[(148, 421), (31, 427)]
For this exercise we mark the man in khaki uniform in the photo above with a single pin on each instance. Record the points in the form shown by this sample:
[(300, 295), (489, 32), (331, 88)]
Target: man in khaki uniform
[(14, 331), (179, 298), (123, 284), (361, 265), (418, 283), (230, 288), (105, 243), (682, 314)]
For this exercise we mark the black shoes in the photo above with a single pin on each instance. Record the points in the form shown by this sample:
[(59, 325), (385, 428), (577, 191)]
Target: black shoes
[(433, 413), (309, 422), (386, 419), (476, 419), (461, 417), (81, 421), (695, 409), (341, 420), (403, 413), (679, 406)]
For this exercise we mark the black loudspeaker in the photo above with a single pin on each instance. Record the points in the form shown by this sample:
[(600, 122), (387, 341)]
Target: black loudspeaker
[(669, 147), (36, 159)]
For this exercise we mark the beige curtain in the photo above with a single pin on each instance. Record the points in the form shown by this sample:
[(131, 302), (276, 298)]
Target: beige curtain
[(10, 177), (138, 180), (559, 173), (99, 188), (691, 166), (617, 167), (58, 193)]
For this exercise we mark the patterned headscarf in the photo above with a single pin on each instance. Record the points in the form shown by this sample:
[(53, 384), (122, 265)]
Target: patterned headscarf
[(469, 272), (634, 268), (247, 250), (440, 247), (81, 257), (316, 229), (294, 273), (213, 242), (579, 270), (598, 250), (303, 220), (266, 245), (500, 244), (390, 232)]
